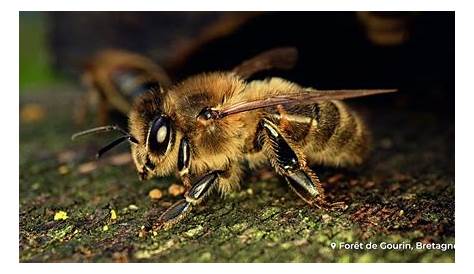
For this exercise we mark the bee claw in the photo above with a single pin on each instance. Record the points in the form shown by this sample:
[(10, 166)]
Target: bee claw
[(338, 206), (323, 204), (174, 214)]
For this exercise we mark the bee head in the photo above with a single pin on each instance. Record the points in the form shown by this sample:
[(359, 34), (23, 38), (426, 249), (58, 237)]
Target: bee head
[(155, 134)]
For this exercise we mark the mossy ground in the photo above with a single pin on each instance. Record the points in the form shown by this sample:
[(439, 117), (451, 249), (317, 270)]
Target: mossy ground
[(403, 194)]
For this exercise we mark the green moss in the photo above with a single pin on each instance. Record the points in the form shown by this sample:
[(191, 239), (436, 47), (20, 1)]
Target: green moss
[(366, 258), (269, 212), (344, 259), (194, 232)]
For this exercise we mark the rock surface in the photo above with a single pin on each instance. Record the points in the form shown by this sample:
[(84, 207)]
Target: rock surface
[(403, 194)]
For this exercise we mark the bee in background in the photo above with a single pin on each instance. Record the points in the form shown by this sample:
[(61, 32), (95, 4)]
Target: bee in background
[(207, 128), (114, 79)]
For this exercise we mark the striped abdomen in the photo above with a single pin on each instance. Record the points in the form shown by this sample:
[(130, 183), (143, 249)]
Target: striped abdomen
[(329, 132)]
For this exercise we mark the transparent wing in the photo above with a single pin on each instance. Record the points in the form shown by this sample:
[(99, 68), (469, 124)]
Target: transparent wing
[(306, 97)]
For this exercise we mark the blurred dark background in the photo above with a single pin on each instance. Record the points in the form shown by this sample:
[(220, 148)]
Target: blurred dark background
[(411, 51)]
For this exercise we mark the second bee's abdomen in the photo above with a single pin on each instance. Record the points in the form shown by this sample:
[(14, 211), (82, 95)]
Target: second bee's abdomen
[(329, 133)]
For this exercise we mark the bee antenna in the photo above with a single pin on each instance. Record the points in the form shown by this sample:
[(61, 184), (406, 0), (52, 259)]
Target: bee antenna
[(126, 136), (99, 130), (114, 143)]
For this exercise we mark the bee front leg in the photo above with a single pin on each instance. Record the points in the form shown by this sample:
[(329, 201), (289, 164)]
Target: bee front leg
[(289, 161), (200, 189), (184, 161)]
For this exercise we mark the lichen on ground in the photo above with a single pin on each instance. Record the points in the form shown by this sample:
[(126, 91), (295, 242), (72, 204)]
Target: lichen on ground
[(403, 194)]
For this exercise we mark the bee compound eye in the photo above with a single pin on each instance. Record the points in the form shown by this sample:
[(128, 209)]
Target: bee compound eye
[(160, 135)]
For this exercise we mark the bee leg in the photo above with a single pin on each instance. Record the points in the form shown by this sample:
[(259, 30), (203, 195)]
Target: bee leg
[(174, 214), (184, 161), (200, 189), (289, 161)]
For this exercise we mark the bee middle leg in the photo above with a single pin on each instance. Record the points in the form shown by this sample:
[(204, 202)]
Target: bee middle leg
[(289, 161)]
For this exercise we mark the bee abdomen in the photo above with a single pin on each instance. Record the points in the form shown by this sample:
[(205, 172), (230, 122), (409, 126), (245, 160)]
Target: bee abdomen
[(329, 132), (337, 137)]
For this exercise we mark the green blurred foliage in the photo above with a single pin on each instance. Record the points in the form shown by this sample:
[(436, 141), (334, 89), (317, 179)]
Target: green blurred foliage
[(35, 56)]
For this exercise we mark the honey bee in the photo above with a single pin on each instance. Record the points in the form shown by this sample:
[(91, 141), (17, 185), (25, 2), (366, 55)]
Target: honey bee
[(115, 78), (208, 128)]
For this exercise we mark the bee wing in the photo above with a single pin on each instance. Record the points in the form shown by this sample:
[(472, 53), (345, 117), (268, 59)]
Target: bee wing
[(279, 58), (302, 98)]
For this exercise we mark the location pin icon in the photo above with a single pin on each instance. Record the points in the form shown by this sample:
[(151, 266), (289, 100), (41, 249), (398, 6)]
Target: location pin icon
[(333, 245)]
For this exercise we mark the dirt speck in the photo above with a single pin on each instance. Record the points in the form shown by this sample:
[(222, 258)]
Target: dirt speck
[(176, 190), (155, 194)]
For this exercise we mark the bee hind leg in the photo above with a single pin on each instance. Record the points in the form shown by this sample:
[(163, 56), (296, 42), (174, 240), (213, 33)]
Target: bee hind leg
[(289, 161), (200, 189)]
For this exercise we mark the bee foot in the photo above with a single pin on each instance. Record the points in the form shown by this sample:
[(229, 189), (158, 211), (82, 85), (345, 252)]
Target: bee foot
[(174, 214), (338, 205), (323, 204)]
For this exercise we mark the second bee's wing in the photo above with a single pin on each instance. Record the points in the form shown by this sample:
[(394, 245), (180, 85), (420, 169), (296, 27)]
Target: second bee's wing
[(278, 58)]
